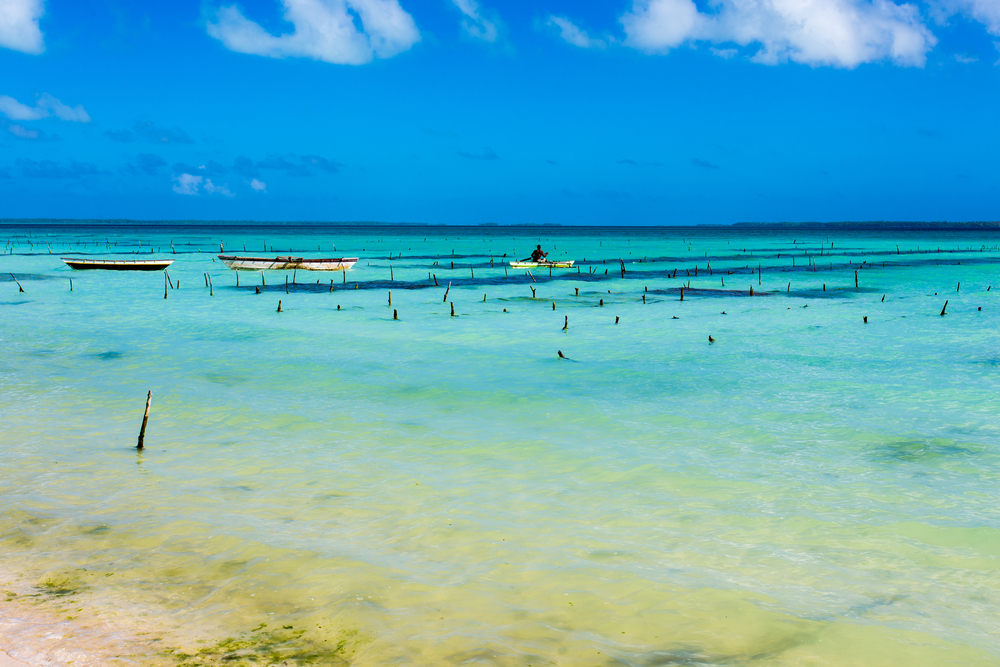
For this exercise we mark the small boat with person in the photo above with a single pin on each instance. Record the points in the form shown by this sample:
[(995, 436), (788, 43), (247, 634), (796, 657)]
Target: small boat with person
[(555, 264), (540, 259), (288, 263), (118, 264)]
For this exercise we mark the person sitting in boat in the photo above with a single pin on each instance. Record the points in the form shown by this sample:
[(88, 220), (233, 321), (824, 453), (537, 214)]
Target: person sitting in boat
[(537, 255)]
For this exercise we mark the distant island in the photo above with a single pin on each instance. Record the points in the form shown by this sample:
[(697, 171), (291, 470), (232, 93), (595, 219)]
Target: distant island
[(881, 224)]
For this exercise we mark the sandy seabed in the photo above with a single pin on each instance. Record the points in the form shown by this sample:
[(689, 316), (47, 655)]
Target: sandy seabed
[(50, 631)]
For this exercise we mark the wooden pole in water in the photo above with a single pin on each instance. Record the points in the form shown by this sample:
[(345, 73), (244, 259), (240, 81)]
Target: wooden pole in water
[(279, 305), (391, 275), (453, 309), (211, 287), (70, 284), (644, 298), (682, 292), (855, 280), (566, 323), (145, 419), (577, 291), (959, 288), (943, 309), (616, 319), (286, 283), (164, 286), (237, 277), (436, 281), (553, 305), (395, 315), (532, 291), (447, 289)]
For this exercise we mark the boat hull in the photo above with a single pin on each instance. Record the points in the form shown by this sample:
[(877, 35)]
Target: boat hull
[(542, 265), (288, 263), (118, 264)]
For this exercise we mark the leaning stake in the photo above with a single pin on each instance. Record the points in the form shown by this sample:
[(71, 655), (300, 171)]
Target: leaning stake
[(145, 418), (944, 308)]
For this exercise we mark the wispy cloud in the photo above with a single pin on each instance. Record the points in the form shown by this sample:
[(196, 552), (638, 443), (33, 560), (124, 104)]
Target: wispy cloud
[(325, 30), (965, 60), (485, 154), (145, 164), (321, 163), (632, 163), (30, 133), (725, 54), (291, 164), (19, 25), (258, 186), (210, 167), (576, 36), (45, 107), (217, 189), (51, 169), (475, 23), (704, 164), (187, 184), (157, 134), (841, 33)]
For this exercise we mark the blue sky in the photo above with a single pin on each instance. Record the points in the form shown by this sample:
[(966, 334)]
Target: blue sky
[(468, 111)]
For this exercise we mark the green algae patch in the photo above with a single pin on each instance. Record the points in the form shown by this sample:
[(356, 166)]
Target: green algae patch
[(60, 586), (261, 647)]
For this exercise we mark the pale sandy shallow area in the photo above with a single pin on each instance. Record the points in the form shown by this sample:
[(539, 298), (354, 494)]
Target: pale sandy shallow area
[(46, 631)]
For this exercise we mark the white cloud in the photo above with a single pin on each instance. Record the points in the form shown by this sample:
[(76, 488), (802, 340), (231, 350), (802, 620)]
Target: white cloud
[(259, 186), (726, 54), (574, 35), (474, 23), (45, 107), (841, 33), (186, 184), (986, 12), (965, 60), (324, 30), (22, 132), (19, 25), (218, 189)]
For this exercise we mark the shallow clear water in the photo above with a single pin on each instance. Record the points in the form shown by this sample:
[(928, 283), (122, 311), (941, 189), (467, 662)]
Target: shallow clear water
[(808, 489)]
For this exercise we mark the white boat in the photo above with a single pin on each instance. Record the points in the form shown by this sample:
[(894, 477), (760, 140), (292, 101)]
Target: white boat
[(557, 264), (118, 264), (288, 263)]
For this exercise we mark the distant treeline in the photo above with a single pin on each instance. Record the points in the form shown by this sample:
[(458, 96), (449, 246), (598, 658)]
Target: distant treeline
[(259, 223), (882, 224)]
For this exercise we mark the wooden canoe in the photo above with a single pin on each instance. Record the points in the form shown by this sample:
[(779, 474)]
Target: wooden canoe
[(288, 263), (118, 264)]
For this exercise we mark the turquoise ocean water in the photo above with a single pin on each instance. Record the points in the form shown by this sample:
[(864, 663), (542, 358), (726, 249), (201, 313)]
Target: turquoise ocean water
[(809, 489)]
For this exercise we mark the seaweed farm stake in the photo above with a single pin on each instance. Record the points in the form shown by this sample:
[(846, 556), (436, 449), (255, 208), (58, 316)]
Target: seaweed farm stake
[(943, 309), (391, 276), (578, 291), (436, 281), (682, 293), (532, 291), (145, 418), (566, 323), (237, 277), (286, 283), (453, 309), (447, 289), (866, 319), (211, 287), (164, 286), (390, 297), (395, 315), (959, 288), (883, 298), (279, 305)]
